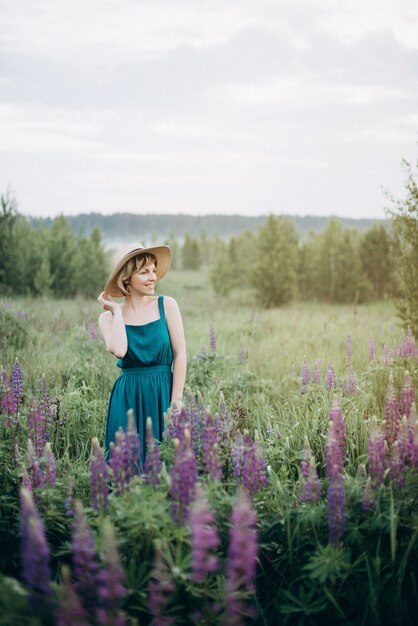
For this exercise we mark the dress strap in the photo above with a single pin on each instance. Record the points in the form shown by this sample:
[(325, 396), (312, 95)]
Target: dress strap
[(161, 307)]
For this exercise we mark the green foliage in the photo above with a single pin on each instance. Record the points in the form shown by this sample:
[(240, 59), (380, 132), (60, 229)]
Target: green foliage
[(405, 224), (190, 253), (377, 261), (272, 265)]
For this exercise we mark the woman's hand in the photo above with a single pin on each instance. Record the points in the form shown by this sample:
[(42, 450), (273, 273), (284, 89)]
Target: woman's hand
[(108, 303)]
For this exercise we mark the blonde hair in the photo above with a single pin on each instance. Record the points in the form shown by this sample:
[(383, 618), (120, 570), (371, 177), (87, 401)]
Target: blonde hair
[(131, 267)]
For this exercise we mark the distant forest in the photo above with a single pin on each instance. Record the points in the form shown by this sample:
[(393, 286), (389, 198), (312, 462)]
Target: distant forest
[(151, 228)]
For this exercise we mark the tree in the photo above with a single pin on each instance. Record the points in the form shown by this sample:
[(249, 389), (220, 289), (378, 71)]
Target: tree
[(375, 255), (191, 253), (8, 217), (404, 215), (272, 267)]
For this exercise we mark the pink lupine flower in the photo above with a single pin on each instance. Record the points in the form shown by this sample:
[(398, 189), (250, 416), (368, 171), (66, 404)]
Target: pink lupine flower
[(250, 467), (391, 413), (407, 394), (205, 538), (317, 372), (17, 385), (396, 467), (305, 376), (387, 356), (241, 561), (35, 472), (37, 426), (376, 446), (152, 457), (349, 350), (331, 379), (85, 561), (333, 453), (212, 340)]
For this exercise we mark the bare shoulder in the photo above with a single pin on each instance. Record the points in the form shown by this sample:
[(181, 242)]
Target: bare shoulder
[(171, 307), (105, 319)]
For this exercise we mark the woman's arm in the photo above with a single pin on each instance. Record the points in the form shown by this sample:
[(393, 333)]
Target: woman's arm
[(178, 344), (112, 326)]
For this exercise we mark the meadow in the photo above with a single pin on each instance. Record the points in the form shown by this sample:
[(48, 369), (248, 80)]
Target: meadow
[(289, 469)]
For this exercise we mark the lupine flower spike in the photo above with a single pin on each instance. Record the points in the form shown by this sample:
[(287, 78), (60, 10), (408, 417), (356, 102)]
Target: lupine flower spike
[(310, 486), (112, 590), (336, 491), (204, 538), (183, 478), (317, 372), (210, 449), (152, 458), (376, 446), (331, 379), (17, 384), (84, 558), (241, 561), (70, 610), (305, 376), (160, 588), (34, 551), (391, 413), (212, 340), (49, 464), (372, 348), (407, 394), (336, 416)]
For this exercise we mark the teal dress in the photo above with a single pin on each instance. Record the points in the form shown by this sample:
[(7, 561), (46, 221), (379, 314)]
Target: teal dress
[(145, 382)]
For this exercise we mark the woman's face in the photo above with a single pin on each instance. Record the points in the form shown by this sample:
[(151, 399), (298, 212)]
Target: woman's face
[(143, 281)]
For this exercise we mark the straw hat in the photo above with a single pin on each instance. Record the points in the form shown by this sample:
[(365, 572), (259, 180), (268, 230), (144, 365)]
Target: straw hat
[(163, 254)]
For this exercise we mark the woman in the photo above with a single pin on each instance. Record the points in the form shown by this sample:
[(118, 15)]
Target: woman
[(146, 333)]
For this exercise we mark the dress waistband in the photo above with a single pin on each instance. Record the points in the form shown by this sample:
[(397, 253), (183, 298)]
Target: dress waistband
[(146, 369)]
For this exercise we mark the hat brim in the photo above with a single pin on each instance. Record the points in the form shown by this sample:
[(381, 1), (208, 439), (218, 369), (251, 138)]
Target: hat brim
[(163, 254)]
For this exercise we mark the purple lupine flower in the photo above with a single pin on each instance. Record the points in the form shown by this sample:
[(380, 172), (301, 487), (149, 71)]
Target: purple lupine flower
[(404, 447), (183, 479), (317, 372), (336, 509), (86, 569), (349, 350), (70, 610), (26, 479), (223, 419), (336, 416), (331, 379), (36, 426), (132, 448), (310, 490), (45, 408), (391, 413), (98, 477), (212, 340), (396, 467), (35, 472), (387, 356), (17, 385), (178, 420), (238, 458), (241, 560), (368, 502), (254, 467), (111, 590), (305, 376), (92, 331), (350, 385), (204, 537), (119, 464), (69, 499), (210, 449), (49, 466), (413, 439), (195, 423), (333, 453), (160, 587), (372, 348), (8, 406), (376, 446), (152, 459), (34, 551), (407, 394)]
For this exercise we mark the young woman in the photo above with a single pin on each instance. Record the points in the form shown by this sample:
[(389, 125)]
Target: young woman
[(146, 333)]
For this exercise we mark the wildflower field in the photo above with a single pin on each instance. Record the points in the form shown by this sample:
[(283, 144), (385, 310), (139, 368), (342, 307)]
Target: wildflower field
[(284, 492)]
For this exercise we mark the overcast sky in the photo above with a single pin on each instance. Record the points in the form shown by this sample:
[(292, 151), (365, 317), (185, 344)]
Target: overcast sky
[(201, 106)]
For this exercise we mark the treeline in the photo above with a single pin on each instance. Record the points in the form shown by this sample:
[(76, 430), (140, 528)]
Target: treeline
[(119, 226), (48, 261), (338, 265)]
